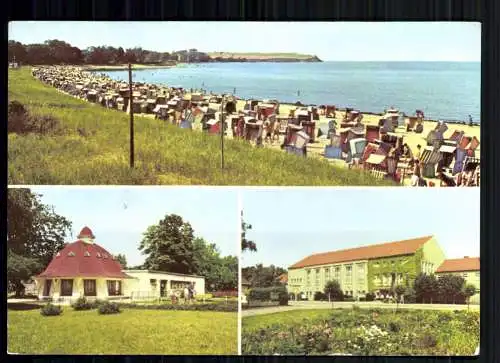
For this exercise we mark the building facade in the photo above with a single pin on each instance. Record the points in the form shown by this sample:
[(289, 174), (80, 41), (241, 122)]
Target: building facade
[(148, 284), (366, 269), (85, 269), (468, 268)]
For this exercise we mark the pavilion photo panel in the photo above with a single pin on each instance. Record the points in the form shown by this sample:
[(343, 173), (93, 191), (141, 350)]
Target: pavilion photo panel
[(122, 268)]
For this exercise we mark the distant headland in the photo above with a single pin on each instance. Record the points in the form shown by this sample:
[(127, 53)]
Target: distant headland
[(262, 57)]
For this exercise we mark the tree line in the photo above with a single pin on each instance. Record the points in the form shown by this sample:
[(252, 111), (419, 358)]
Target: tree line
[(426, 288), (53, 52), (35, 233)]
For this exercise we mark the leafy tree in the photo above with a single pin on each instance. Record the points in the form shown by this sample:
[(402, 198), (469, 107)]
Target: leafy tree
[(245, 243), (122, 260), (451, 287), (17, 51), (469, 290), (333, 290), (221, 273), (35, 233), (426, 287), (168, 245), (399, 291), (261, 276)]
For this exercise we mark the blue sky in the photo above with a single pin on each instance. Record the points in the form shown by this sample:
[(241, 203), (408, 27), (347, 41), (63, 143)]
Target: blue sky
[(343, 41), (291, 224), (213, 214)]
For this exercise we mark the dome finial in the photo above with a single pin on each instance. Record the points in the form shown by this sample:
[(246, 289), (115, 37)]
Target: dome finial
[(86, 235)]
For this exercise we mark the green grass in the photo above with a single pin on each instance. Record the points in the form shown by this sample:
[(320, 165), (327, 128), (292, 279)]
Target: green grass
[(405, 332), (93, 148), (130, 332)]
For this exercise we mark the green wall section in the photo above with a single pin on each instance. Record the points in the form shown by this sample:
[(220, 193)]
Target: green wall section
[(408, 265)]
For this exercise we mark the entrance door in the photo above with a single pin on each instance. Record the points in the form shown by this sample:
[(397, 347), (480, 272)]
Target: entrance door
[(66, 287), (46, 287), (89, 288)]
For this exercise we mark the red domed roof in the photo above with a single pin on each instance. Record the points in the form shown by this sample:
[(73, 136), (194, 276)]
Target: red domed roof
[(81, 259)]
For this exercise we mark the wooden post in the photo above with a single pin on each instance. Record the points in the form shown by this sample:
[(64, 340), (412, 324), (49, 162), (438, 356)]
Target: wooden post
[(222, 135), (131, 104)]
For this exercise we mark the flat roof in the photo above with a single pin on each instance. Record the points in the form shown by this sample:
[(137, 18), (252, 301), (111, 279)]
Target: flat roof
[(163, 272)]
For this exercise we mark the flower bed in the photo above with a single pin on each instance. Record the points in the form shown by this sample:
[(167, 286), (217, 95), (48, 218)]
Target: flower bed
[(363, 332)]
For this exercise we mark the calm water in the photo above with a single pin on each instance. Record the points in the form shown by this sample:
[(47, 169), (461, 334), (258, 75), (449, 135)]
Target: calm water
[(443, 90)]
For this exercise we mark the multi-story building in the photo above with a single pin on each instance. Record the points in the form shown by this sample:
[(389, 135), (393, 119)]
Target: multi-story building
[(468, 268), (366, 269)]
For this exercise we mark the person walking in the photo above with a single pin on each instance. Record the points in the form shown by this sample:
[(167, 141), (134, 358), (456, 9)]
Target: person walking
[(186, 295)]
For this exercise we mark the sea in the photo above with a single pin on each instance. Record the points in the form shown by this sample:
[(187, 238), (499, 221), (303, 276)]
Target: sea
[(447, 91)]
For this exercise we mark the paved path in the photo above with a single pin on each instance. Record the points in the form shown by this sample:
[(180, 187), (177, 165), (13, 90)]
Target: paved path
[(302, 305)]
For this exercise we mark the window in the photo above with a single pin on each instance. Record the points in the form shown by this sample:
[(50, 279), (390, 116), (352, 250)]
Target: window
[(114, 287), (178, 285), (464, 275), (152, 282), (66, 287), (87, 254), (327, 274), (46, 287), (89, 288), (477, 274)]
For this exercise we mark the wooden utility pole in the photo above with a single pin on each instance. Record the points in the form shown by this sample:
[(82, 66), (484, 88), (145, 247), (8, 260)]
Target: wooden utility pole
[(222, 135), (131, 110)]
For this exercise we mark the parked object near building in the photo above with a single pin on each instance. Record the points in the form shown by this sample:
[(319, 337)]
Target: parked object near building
[(366, 269)]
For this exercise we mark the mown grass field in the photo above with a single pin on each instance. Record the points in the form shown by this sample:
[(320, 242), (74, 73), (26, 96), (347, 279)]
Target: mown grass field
[(130, 332), (361, 332), (92, 147)]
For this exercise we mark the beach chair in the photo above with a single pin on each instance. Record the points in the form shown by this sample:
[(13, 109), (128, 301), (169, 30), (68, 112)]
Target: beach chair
[(357, 147), (369, 149), (372, 133), (429, 159), (309, 127), (447, 155), (460, 155)]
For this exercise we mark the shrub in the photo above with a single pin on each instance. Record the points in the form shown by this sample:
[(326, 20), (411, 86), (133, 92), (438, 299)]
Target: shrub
[(82, 304), (370, 296), (427, 341), (21, 122), (51, 310), (320, 296), (274, 293), (394, 327), (109, 308)]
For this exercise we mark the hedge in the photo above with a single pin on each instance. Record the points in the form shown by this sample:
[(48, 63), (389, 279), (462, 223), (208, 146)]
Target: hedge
[(229, 307), (274, 293)]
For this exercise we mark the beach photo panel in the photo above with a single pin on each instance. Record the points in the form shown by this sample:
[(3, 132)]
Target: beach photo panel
[(117, 107)]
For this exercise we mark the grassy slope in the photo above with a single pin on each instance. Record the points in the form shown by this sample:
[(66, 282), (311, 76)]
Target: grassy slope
[(164, 154), (131, 332)]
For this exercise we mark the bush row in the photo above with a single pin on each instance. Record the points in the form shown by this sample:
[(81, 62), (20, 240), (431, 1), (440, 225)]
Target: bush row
[(273, 293), (229, 307)]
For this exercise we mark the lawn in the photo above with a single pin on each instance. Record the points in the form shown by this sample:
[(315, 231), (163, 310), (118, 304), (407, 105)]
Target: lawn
[(361, 332), (130, 332), (90, 145)]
